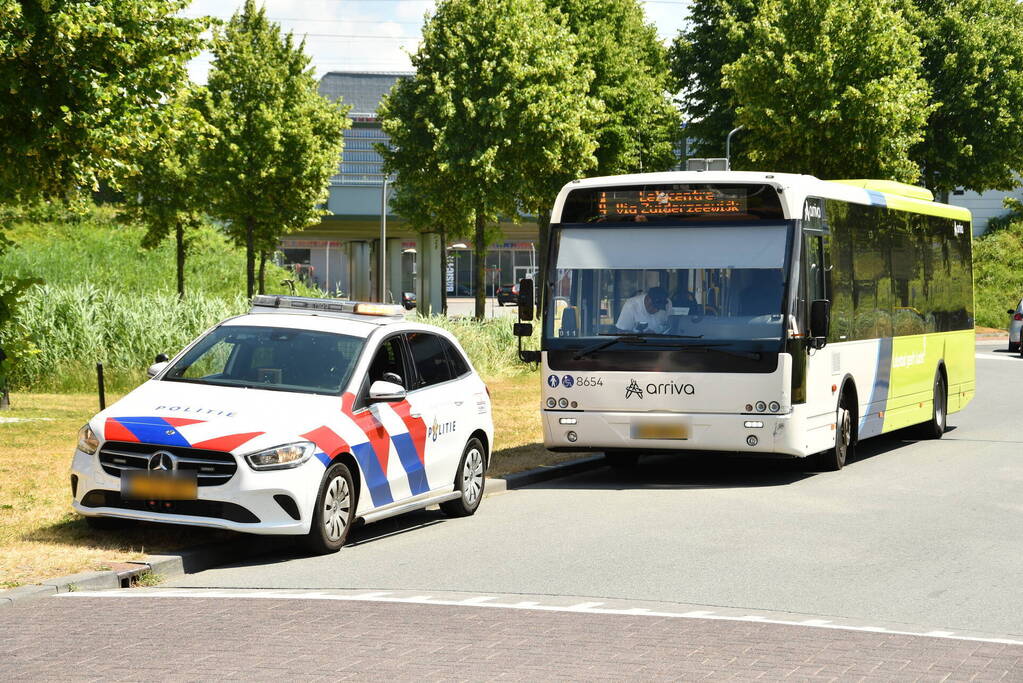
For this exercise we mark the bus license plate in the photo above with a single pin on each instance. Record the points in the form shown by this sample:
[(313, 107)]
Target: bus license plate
[(159, 486), (658, 430)]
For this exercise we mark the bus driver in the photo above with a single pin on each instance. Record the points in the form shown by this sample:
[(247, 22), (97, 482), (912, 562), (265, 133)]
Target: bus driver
[(648, 311)]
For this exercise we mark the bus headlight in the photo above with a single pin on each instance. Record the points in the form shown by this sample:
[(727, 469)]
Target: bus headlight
[(761, 406), (281, 457), (774, 406)]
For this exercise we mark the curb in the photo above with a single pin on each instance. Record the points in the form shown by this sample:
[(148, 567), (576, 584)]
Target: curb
[(548, 472), (192, 560)]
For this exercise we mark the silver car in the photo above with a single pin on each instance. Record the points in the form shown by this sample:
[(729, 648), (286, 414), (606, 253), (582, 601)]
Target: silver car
[(1015, 324)]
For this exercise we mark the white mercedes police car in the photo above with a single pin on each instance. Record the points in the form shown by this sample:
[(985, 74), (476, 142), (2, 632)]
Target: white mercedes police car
[(302, 417)]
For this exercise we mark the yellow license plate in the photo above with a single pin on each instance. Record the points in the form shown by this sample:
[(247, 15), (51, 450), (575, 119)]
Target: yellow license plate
[(658, 430), (154, 486)]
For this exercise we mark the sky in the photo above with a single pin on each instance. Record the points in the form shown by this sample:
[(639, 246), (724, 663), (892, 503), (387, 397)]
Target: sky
[(373, 35)]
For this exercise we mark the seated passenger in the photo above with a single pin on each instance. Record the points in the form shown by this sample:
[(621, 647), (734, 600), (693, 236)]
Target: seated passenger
[(648, 311)]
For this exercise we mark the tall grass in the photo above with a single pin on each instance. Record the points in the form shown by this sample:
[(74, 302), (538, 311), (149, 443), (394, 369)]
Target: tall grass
[(75, 327)]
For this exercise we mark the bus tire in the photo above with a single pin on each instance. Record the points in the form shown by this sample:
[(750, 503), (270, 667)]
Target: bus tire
[(935, 427), (835, 457), (1013, 347), (621, 461)]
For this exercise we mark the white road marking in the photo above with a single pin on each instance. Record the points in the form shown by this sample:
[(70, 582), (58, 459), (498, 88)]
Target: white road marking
[(991, 356), (488, 602)]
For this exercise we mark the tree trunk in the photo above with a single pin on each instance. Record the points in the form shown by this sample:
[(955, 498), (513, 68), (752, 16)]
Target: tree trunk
[(443, 272), (262, 272), (179, 235), (543, 248), (481, 266), (250, 257)]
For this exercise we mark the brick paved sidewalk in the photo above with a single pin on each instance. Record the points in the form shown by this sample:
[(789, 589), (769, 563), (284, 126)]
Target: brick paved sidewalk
[(211, 638)]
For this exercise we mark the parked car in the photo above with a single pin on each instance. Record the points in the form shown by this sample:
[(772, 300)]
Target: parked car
[(301, 417), (508, 294), (1015, 325)]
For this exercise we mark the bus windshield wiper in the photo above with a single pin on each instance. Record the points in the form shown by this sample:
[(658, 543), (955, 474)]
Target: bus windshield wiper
[(748, 355), (634, 338)]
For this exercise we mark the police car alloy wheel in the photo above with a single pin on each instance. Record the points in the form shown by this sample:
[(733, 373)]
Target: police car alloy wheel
[(334, 511), (470, 482)]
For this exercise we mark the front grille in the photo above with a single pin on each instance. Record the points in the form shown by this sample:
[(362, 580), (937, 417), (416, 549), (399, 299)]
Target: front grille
[(212, 468), (194, 508)]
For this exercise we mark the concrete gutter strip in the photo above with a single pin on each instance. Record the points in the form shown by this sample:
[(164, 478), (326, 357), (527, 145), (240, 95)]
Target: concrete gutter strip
[(548, 472), (192, 560)]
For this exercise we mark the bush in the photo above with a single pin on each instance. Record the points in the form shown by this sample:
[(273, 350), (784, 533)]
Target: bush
[(998, 273)]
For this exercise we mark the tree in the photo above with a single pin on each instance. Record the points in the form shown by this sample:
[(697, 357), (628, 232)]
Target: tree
[(80, 80), (277, 140), (973, 60), (497, 110), (639, 127), (831, 88), (716, 35), (166, 192)]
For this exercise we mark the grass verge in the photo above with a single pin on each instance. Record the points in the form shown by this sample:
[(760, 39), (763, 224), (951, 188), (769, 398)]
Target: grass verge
[(41, 537)]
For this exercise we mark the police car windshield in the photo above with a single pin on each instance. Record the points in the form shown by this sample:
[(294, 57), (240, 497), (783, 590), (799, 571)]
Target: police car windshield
[(271, 358)]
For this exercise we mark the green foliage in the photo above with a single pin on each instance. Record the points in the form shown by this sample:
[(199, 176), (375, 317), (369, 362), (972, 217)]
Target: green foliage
[(831, 89), (998, 274), (640, 125), (497, 113), (81, 79), (166, 192), (278, 140), (99, 249), (75, 327), (715, 36), (973, 60)]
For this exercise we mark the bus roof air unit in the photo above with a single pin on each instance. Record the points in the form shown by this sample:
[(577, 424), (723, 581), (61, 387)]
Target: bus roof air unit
[(891, 187)]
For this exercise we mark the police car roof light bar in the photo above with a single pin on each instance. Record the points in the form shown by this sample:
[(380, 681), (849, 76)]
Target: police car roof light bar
[(309, 304)]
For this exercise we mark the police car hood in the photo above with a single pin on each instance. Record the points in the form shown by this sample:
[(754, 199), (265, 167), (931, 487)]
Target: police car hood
[(219, 418)]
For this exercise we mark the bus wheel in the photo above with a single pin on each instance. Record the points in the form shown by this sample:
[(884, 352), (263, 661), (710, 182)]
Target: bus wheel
[(622, 461), (834, 458), (935, 427)]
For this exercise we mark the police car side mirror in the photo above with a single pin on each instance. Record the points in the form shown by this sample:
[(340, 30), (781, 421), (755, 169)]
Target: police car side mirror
[(386, 392), (156, 368)]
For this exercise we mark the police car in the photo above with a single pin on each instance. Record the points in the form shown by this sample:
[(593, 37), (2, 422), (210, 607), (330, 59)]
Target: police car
[(304, 416)]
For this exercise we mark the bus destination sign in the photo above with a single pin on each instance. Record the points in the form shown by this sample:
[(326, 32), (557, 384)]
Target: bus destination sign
[(613, 204)]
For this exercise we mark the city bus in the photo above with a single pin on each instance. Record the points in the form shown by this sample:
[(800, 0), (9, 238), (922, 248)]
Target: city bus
[(758, 313)]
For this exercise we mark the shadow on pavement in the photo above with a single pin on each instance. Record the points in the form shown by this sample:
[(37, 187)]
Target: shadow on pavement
[(708, 470)]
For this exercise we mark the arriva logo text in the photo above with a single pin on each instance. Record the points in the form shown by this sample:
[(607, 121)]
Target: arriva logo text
[(659, 389)]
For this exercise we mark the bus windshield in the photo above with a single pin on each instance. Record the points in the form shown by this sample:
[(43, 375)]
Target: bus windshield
[(684, 283)]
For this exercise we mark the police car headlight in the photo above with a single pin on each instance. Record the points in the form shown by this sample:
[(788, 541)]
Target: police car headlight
[(281, 457), (88, 443)]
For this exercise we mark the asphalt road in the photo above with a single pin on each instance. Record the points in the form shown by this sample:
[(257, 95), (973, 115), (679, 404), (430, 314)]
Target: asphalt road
[(926, 534)]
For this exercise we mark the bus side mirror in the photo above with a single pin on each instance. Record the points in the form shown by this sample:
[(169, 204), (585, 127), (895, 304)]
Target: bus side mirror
[(820, 322), (525, 299), (522, 329)]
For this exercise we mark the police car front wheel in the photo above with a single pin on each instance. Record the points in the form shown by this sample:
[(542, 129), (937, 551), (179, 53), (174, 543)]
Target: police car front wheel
[(334, 511), (469, 481)]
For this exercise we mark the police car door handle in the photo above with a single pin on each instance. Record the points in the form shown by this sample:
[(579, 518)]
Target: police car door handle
[(416, 415), (458, 403)]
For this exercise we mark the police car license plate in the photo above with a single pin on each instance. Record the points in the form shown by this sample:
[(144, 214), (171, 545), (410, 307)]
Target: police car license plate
[(159, 486), (658, 430)]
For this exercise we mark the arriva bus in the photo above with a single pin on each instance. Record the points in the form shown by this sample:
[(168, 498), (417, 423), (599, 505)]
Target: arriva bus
[(759, 313)]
